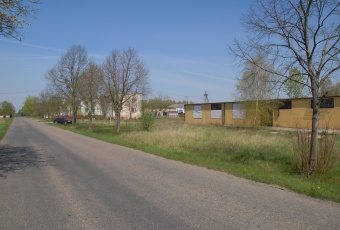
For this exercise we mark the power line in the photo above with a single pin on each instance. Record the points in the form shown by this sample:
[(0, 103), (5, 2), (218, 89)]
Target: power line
[(33, 91)]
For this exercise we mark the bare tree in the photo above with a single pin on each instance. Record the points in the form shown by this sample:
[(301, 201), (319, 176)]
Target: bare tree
[(65, 76), (91, 83), (329, 88), (49, 103), (14, 16), (125, 75), (104, 104), (296, 33), (256, 87)]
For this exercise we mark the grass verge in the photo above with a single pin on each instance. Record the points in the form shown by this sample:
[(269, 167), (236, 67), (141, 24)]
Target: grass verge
[(4, 125), (257, 154)]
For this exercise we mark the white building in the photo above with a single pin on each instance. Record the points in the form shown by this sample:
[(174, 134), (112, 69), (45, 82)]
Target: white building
[(132, 109)]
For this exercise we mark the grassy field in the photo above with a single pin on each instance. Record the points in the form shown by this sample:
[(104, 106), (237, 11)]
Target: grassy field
[(4, 125), (257, 154)]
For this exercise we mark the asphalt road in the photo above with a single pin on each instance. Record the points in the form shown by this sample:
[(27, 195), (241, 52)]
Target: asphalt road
[(55, 179)]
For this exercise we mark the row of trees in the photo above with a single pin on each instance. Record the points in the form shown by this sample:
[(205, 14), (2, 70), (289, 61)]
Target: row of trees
[(75, 77), (48, 103)]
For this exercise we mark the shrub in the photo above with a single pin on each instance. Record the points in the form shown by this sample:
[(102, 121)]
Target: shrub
[(325, 156), (301, 153), (147, 120)]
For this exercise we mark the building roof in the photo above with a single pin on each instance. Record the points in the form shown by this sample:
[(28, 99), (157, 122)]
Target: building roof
[(277, 99), (174, 106)]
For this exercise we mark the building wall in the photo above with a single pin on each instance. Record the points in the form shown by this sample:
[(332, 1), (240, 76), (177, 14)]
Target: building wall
[(299, 116), (206, 118), (134, 105)]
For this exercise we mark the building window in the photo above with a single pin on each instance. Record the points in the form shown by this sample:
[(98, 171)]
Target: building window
[(197, 113), (239, 111), (133, 110), (325, 103), (216, 106), (216, 111), (285, 105)]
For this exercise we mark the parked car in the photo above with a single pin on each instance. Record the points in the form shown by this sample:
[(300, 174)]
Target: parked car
[(62, 120)]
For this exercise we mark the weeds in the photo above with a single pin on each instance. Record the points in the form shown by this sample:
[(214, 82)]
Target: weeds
[(326, 144), (301, 153)]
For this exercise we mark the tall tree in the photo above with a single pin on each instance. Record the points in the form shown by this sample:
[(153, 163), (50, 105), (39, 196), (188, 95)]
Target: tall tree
[(292, 86), (6, 108), (49, 103), (334, 90), (14, 16), (91, 88), (125, 75), (104, 104), (330, 89), (64, 78), (296, 33), (29, 106), (256, 86)]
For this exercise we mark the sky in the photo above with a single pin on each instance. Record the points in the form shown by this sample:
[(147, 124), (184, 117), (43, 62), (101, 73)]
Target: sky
[(184, 44)]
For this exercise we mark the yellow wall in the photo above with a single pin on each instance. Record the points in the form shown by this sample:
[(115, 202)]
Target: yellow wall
[(227, 115), (206, 115), (300, 116)]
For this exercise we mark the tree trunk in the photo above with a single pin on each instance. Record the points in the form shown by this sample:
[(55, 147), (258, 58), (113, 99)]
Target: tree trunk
[(90, 121), (313, 155), (256, 109), (74, 118), (117, 121)]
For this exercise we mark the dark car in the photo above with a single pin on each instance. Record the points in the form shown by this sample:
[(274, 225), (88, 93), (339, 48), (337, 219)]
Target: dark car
[(62, 120)]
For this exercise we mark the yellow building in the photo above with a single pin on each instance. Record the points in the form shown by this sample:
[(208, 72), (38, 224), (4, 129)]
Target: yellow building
[(289, 113)]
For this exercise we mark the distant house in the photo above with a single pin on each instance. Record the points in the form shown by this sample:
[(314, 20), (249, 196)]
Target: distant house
[(132, 109), (175, 110), (290, 113)]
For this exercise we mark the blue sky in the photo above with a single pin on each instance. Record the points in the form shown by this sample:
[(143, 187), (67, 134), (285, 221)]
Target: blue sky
[(182, 42)]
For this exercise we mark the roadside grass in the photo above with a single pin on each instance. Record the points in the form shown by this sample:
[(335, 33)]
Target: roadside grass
[(258, 154), (4, 125)]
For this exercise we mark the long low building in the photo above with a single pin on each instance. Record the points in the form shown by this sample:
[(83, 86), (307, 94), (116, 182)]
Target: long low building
[(289, 113)]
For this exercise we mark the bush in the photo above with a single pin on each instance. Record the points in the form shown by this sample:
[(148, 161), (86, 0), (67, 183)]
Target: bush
[(325, 156), (301, 146), (301, 153), (147, 121)]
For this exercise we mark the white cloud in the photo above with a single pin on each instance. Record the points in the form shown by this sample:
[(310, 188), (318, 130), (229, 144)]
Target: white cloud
[(33, 45)]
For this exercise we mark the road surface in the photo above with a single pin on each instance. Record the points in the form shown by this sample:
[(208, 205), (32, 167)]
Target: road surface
[(54, 179)]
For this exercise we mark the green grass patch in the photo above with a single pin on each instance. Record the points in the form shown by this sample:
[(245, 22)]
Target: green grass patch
[(5, 123), (256, 154)]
